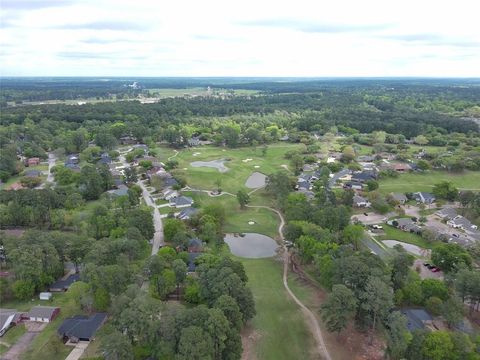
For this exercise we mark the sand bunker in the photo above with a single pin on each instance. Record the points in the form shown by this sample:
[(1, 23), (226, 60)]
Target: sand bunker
[(196, 154), (256, 180), (216, 164), (252, 245), (257, 166)]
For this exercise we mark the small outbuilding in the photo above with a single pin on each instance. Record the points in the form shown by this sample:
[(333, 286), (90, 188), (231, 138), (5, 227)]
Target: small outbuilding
[(45, 296)]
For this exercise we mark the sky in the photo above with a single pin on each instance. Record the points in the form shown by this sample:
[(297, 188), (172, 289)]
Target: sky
[(295, 38)]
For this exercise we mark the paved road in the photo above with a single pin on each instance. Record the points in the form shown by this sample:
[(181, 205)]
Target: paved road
[(308, 313), (158, 238), (51, 163)]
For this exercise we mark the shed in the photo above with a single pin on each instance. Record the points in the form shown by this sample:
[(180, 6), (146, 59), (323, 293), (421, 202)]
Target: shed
[(45, 296), (63, 285)]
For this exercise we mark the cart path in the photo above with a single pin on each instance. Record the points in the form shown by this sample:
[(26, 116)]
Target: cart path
[(308, 313)]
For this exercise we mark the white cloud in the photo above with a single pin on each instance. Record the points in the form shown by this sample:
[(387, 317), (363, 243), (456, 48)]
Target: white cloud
[(247, 38)]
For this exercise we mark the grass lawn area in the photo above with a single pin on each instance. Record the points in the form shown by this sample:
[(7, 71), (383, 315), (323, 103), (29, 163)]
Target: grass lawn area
[(279, 323), (392, 233), (11, 336), (413, 182), (234, 179), (47, 345), (266, 221)]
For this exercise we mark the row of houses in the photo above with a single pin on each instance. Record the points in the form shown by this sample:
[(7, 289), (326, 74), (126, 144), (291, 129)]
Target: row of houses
[(454, 220), (73, 329)]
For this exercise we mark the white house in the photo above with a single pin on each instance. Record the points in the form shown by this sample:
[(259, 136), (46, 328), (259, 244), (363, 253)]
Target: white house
[(44, 314), (359, 201)]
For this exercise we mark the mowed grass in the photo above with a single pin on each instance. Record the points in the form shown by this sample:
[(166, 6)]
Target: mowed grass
[(392, 233), (11, 337), (413, 182), (279, 324), (239, 171), (266, 221)]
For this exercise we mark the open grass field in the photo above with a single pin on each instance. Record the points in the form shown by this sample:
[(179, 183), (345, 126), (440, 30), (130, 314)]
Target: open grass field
[(413, 182), (412, 149), (234, 179), (11, 336), (14, 179), (266, 221), (392, 233), (279, 326)]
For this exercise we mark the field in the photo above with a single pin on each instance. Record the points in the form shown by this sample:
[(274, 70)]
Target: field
[(14, 179), (279, 327), (234, 179), (266, 221), (413, 182), (392, 233)]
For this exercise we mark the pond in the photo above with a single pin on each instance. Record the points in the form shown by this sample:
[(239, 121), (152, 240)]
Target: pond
[(216, 164), (252, 245), (256, 180)]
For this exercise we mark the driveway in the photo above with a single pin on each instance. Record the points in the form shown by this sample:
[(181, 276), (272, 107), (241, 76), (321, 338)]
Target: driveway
[(78, 350), (22, 344), (371, 219)]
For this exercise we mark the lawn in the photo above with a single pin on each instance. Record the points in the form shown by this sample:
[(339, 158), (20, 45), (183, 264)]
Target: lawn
[(266, 221), (234, 179), (279, 324), (392, 233), (11, 336), (413, 182), (47, 345)]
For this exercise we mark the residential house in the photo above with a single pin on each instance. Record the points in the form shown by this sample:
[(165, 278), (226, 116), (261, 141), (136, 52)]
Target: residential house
[(424, 197), (105, 159), (8, 318), (366, 158), (32, 173), (73, 167), (195, 245), (446, 213), (128, 140), (401, 198), (359, 201), (169, 194), (63, 285), (364, 176), (418, 319), (72, 159), (354, 185), (170, 182), (187, 213), (309, 167), (194, 141), (33, 161), (181, 201), (191, 267), (42, 314), (401, 167), (81, 328), (459, 222), (16, 186), (342, 175), (121, 191)]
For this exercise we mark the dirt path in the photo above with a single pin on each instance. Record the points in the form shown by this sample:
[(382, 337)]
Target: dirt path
[(313, 324)]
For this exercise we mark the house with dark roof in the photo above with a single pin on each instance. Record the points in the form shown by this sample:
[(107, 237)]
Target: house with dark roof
[(181, 201), (63, 285), (170, 182), (121, 191), (33, 161), (192, 261), (424, 197), (364, 176), (42, 314), (32, 173), (72, 159), (105, 159), (187, 213), (418, 319), (360, 201), (366, 158), (195, 245), (401, 167), (81, 328), (354, 185)]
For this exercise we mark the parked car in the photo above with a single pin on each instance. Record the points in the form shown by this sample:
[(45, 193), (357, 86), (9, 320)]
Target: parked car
[(430, 267), (456, 235), (436, 269), (426, 264), (365, 214)]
